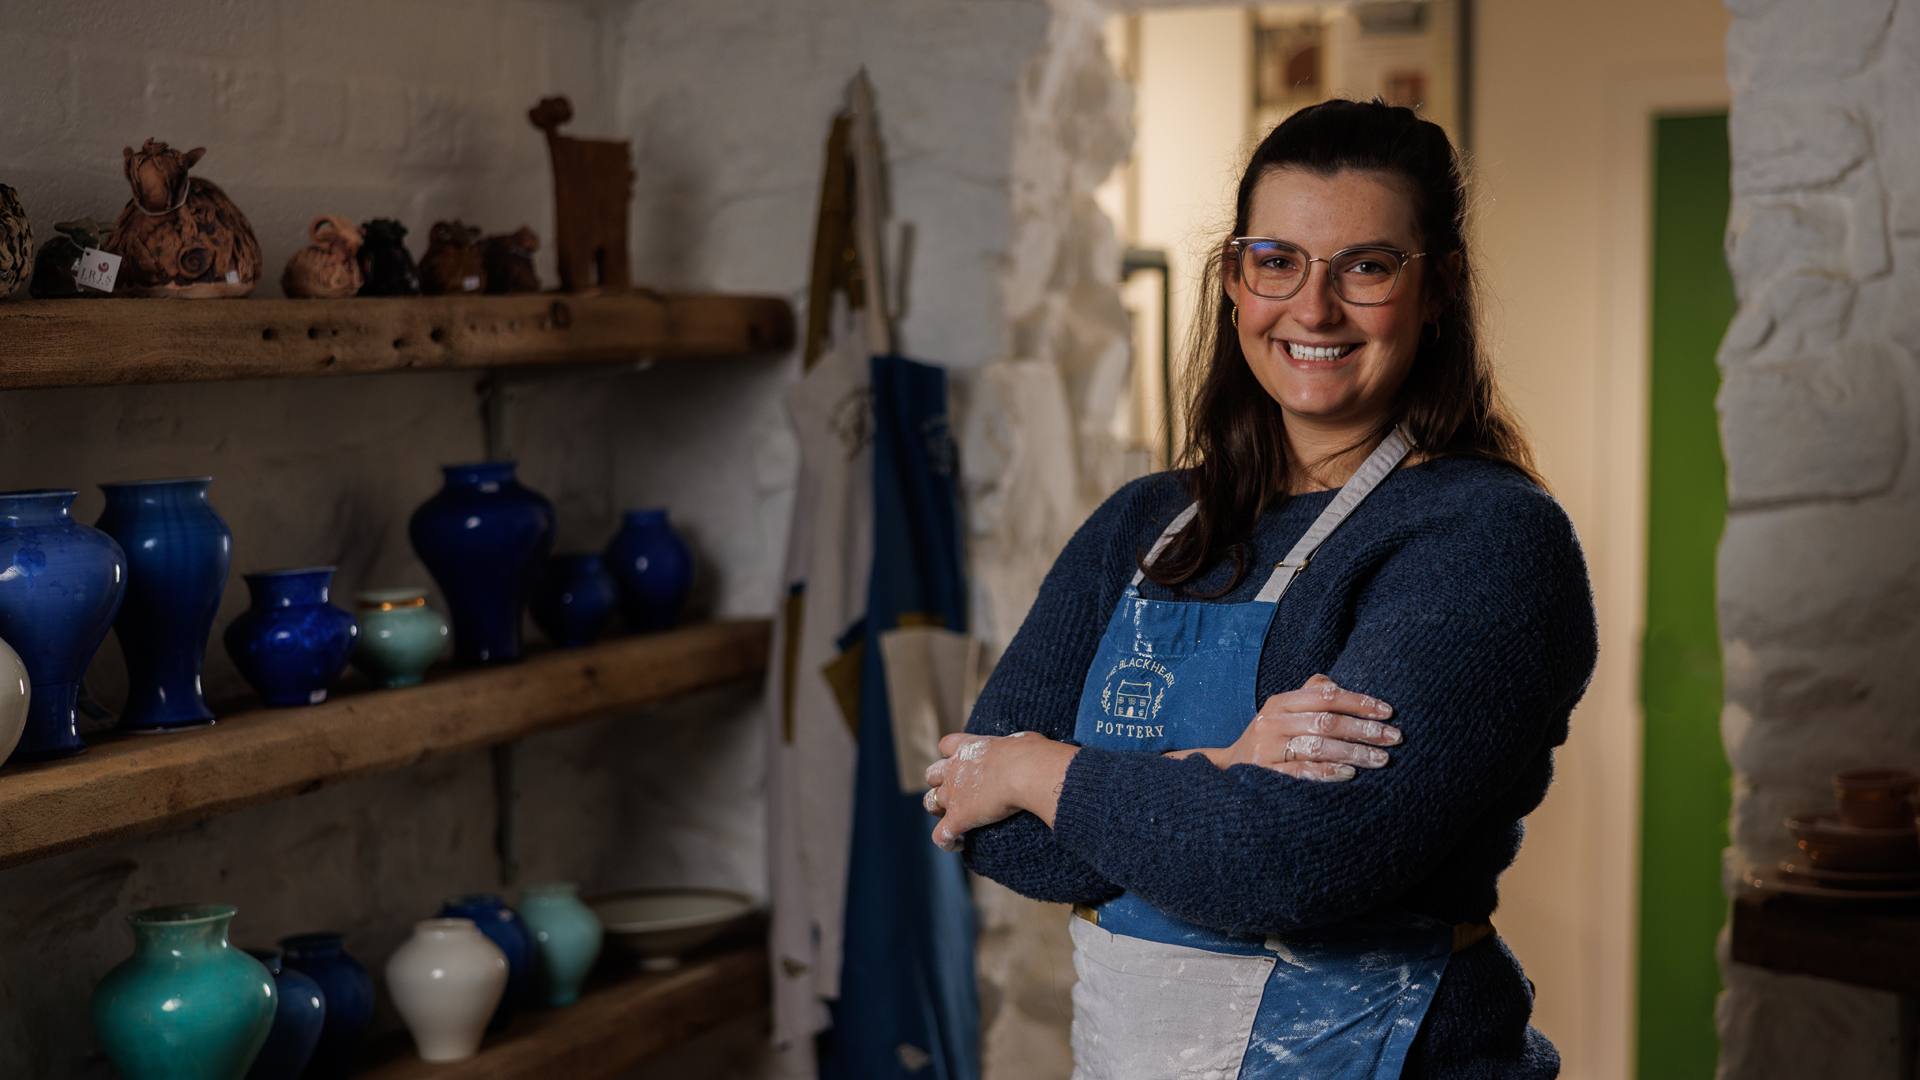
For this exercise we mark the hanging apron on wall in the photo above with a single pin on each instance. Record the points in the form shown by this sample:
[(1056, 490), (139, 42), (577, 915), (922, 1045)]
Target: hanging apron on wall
[(1159, 998)]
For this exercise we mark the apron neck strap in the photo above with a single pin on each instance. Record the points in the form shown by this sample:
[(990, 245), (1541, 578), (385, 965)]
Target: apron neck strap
[(1385, 458)]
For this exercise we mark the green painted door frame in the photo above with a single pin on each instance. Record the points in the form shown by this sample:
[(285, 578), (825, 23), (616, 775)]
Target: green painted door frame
[(1686, 784)]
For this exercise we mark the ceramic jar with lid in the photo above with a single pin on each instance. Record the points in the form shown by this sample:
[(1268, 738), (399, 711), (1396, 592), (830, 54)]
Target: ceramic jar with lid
[(400, 636)]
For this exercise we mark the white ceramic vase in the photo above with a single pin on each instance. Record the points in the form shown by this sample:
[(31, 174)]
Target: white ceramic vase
[(445, 981), (15, 691)]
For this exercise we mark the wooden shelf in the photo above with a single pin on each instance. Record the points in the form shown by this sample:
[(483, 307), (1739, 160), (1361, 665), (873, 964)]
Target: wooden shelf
[(127, 785), (105, 342), (1877, 945), (611, 1029)]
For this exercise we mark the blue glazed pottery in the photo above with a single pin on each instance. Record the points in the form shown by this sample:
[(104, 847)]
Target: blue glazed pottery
[(482, 536), (60, 588), (177, 552), (572, 597), (504, 928), (299, 1012), (186, 1005), (654, 568), (348, 991), (400, 636), (566, 941), (291, 644)]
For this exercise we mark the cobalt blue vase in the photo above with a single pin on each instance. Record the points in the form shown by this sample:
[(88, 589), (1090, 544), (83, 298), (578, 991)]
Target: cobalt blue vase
[(178, 551), (299, 1012), (347, 990), (504, 928), (59, 591), (572, 597), (291, 644), (482, 537), (654, 568)]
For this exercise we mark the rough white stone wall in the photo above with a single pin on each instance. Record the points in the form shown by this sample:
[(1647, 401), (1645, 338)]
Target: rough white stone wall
[(1818, 574)]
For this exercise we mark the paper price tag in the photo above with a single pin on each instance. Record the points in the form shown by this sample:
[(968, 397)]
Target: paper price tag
[(97, 269)]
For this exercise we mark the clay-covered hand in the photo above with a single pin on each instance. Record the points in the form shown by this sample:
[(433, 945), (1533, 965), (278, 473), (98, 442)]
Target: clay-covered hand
[(1318, 732), (985, 778)]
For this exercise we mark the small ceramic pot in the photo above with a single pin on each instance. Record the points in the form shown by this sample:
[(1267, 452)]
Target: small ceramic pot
[(400, 636), (16, 243), (16, 695), (329, 268), (482, 537), (1876, 798), (291, 644), (654, 568), (572, 596), (299, 1012), (62, 585), (56, 269), (348, 990), (508, 259), (503, 927), (446, 981), (452, 264), (385, 261), (566, 941), (186, 1005), (178, 550)]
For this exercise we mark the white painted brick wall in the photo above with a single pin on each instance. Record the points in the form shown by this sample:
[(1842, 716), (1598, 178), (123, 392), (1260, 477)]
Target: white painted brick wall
[(1818, 573)]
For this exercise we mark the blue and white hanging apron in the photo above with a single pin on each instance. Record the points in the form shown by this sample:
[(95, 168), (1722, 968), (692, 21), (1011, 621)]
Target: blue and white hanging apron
[(1159, 998)]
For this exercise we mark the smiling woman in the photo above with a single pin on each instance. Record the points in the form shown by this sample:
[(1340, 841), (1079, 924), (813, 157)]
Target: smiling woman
[(1194, 753)]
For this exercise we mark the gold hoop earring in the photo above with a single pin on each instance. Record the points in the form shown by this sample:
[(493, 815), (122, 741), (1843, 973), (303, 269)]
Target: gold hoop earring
[(1236, 316)]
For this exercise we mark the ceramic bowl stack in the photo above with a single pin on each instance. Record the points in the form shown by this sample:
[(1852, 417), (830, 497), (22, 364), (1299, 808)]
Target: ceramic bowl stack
[(1865, 848)]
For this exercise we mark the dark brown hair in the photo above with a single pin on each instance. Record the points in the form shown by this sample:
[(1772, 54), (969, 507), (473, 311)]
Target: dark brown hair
[(1235, 457)]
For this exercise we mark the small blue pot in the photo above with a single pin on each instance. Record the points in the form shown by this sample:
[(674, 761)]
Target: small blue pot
[(504, 928), (291, 644), (482, 537), (348, 992), (654, 568), (60, 584), (178, 550), (299, 1013), (572, 597)]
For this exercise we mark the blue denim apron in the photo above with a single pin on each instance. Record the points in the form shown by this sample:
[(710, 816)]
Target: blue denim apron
[(1161, 998)]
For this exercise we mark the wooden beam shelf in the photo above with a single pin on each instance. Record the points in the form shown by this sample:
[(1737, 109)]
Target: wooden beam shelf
[(1877, 945), (106, 342), (611, 1029), (124, 786)]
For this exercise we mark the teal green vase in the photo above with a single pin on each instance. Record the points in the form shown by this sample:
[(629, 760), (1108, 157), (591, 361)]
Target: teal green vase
[(400, 636), (566, 941), (186, 1005)]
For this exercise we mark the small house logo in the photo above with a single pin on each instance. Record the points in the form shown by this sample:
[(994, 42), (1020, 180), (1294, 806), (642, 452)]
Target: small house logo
[(1131, 697), (1133, 700)]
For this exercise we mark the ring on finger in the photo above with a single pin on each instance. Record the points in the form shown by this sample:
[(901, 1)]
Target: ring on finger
[(1288, 755), (931, 800)]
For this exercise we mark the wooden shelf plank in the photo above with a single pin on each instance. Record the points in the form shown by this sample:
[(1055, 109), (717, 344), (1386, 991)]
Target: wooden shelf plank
[(47, 343), (610, 1030), (136, 784), (1876, 946)]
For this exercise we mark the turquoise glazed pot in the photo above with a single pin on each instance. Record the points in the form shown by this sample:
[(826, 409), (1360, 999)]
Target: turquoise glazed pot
[(566, 941), (186, 1005), (400, 636)]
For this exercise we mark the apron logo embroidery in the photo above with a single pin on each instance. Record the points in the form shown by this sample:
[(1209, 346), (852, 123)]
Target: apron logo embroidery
[(1134, 690)]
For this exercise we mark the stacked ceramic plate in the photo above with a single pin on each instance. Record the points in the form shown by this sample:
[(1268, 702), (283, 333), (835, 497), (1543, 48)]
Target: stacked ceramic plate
[(1866, 848)]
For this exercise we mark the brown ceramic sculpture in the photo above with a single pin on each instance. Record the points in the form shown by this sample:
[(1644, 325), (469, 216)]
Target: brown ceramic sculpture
[(329, 269), (180, 235), (452, 263), (509, 261), (386, 262), (16, 242), (592, 185), (55, 268)]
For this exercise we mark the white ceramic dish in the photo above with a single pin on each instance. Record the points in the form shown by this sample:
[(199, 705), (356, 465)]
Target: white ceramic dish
[(661, 925)]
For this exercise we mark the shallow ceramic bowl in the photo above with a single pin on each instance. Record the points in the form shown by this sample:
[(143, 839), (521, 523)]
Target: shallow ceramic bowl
[(661, 925), (1829, 845)]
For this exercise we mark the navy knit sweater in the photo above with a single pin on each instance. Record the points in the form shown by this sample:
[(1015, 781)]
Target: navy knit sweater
[(1456, 593)]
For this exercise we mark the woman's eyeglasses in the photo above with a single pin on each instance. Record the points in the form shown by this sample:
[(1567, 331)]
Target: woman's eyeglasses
[(1275, 269)]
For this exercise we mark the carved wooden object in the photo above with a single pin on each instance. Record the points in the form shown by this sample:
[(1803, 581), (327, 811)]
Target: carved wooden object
[(592, 187)]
